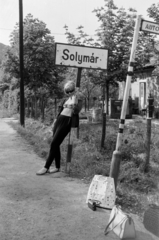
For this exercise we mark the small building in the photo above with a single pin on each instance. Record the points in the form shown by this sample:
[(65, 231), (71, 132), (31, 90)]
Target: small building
[(144, 85)]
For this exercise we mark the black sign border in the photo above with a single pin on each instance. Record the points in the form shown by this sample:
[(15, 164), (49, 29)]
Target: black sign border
[(82, 47), (143, 20)]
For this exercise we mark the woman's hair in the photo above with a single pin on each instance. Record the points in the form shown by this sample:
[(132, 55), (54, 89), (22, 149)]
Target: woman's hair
[(69, 87)]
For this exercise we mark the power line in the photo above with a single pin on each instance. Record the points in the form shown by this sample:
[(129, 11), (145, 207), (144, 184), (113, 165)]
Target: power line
[(52, 33), (92, 35), (6, 29)]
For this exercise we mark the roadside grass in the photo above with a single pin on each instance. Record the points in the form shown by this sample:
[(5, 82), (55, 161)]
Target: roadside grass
[(135, 189)]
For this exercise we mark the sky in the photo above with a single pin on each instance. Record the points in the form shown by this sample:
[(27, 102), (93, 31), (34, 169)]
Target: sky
[(57, 13)]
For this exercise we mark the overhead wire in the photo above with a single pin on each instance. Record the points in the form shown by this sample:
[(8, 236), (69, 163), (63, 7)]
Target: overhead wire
[(52, 33)]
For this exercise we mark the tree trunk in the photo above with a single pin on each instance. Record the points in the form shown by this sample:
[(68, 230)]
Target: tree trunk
[(42, 109), (55, 104), (35, 104), (148, 145), (32, 107), (107, 98), (9, 100), (28, 108), (3, 104), (103, 118), (88, 101), (85, 104)]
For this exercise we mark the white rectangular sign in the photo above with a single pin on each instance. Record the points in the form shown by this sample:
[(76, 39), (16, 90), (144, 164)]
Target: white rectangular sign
[(150, 27), (80, 56)]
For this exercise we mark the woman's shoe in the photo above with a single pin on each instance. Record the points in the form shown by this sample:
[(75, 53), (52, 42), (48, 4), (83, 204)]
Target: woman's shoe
[(42, 171), (53, 170)]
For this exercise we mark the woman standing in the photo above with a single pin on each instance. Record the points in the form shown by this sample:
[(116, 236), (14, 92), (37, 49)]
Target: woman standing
[(62, 126)]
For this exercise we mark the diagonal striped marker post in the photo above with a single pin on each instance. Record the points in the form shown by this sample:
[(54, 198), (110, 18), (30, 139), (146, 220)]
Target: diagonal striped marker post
[(115, 162)]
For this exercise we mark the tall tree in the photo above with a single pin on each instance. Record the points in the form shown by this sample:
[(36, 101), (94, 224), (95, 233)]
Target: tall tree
[(39, 45), (115, 34), (41, 77), (153, 12)]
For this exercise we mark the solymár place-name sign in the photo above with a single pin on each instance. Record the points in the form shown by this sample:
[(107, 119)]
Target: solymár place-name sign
[(80, 56), (150, 27)]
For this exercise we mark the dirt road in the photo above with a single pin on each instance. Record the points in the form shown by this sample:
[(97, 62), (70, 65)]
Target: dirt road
[(50, 207)]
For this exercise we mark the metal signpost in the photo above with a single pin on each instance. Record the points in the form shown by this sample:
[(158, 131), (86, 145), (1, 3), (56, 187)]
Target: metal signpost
[(115, 163), (142, 25), (79, 56)]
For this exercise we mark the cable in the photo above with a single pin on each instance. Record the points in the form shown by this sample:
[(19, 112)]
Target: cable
[(91, 35), (6, 29)]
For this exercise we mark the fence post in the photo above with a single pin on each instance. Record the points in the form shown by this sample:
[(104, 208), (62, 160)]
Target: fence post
[(150, 109)]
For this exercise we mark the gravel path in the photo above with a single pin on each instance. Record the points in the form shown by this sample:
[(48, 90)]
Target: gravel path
[(50, 207)]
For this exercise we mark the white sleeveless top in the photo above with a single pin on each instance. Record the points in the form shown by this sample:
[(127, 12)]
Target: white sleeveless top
[(69, 104)]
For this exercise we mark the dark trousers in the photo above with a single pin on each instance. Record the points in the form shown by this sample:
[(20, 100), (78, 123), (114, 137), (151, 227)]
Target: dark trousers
[(61, 129)]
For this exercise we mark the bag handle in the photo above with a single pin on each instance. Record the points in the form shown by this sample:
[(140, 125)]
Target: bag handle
[(106, 229)]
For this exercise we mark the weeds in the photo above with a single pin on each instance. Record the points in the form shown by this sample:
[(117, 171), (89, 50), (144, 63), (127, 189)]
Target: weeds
[(134, 186)]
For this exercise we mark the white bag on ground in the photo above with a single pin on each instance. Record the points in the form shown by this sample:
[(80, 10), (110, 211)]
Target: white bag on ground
[(102, 189), (121, 224)]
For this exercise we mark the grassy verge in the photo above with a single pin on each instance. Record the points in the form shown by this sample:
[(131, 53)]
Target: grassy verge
[(136, 189)]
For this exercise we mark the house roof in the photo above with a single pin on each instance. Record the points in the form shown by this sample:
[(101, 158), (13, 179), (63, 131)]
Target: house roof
[(149, 67)]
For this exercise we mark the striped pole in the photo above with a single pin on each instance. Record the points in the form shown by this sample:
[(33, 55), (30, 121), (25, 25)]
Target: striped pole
[(115, 163)]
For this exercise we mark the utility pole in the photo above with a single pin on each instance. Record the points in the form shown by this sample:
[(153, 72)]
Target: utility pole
[(22, 106)]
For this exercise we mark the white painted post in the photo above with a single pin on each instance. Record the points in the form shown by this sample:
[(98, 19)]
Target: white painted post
[(115, 163)]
